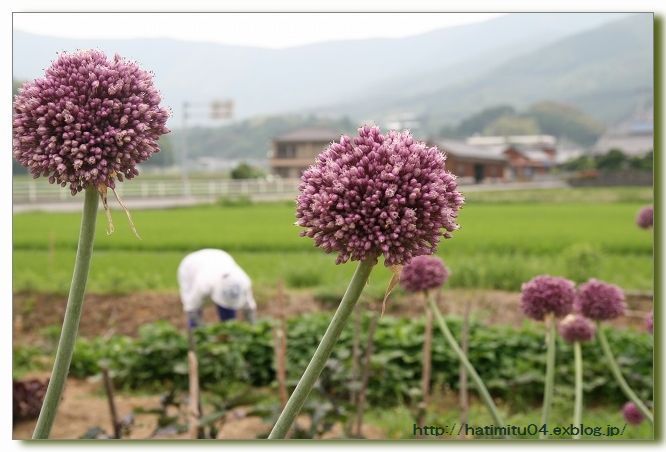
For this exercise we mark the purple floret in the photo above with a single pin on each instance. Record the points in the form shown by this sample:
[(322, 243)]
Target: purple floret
[(649, 322), (576, 328), (378, 194), (645, 217), (88, 121), (423, 273), (632, 414), (545, 294), (598, 300)]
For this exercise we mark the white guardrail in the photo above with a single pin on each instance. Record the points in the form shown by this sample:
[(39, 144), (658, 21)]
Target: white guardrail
[(28, 192), (40, 191)]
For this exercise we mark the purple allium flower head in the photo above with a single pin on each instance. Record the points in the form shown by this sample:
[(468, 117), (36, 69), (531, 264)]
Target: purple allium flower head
[(632, 414), (645, 217), (649, 322), (545, 294), (598, 300), (576, 328), (88, 121), (378, 194), (423, 273)]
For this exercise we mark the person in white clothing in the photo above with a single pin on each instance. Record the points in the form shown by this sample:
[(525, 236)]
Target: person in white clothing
[(214, 274)]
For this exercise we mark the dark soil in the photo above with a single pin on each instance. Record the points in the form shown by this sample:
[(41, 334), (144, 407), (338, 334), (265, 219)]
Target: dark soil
[(125, 314)]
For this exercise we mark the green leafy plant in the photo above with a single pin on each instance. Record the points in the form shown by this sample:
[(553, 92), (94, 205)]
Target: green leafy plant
[(510, 359), (582, 261)]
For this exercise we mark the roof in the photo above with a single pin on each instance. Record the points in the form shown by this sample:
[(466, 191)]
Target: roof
[(566, 154), (536, 155), (513, 139), (316, 134), (464, 150)]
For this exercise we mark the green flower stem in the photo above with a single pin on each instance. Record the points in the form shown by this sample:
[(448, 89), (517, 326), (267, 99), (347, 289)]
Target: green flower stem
[(549, 385), (316, 365), (578, 403), (617, 373), (483, 391), (70, 325)]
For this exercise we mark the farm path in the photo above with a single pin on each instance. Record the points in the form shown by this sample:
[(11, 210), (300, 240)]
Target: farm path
[(84, 406)]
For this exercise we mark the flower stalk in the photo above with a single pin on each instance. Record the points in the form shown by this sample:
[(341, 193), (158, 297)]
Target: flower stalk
[(70, 324), (481, 387), (328, 341), (617, 373), (578, 389), (549, 384)]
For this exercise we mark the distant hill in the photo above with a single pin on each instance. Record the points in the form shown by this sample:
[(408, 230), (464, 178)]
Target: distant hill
[(607, 72), (563, 121), (252, 138), (598, 63), (274, 81)]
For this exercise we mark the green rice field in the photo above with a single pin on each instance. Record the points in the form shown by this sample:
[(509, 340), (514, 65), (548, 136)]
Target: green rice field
[(505, 239)]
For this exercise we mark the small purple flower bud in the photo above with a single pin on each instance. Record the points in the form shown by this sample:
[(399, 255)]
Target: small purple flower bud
[(545, 294), (645, 217), (69, 125), (377, 195), (632, 414), (576, 328), (423, 273), (598, 300), (649, 322)]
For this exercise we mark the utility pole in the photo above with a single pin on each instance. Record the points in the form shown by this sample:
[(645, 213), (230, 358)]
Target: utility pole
[(215, 110)]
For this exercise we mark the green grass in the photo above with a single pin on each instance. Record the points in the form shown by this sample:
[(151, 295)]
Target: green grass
[(589, 195), (499, 245), (124, 271)]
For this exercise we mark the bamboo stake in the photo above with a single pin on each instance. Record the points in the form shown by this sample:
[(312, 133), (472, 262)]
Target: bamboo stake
[(426, 364), (355, 376), (108, 387), (365, 375), (195, 431), (323, 351), (281, 347), (353, 394)]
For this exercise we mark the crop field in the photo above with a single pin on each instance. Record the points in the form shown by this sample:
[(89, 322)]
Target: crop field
[(505, 239), (133, 321)]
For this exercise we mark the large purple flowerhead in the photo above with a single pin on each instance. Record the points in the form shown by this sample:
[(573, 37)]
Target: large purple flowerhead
[(649, 322), (423, 273), (598, 300), (632, 414), (378, 194), (576, 328), (545, 295), (645, 217), (88, 121)]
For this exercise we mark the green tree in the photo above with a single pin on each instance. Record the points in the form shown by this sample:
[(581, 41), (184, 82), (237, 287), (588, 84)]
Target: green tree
[(584, 162), (562, 120), (246, 171), (613, 160), (479, 121), (166, 157), (642, 163), (512, 125)]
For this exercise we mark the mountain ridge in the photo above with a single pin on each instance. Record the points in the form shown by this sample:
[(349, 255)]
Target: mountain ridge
[(265, 81)]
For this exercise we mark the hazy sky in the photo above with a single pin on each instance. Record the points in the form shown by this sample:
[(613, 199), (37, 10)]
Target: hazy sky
[(257, 29)]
